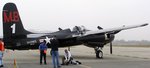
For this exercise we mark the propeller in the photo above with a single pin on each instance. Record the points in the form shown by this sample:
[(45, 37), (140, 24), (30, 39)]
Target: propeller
[(110, 36), (110, 47)]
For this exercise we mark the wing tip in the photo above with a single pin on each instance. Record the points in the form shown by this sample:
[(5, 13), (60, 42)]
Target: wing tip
[(144, 24)]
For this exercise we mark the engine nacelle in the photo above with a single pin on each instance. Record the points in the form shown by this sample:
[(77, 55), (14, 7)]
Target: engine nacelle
[(96, 40)]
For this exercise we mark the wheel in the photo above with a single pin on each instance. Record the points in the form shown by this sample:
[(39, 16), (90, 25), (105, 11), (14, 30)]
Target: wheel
[(99, 54)]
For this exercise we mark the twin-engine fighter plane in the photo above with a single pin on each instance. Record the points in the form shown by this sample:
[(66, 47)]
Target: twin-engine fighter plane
[(15, 37)]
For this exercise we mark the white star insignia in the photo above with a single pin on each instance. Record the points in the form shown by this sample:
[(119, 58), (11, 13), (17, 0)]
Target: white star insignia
[(47, 40)]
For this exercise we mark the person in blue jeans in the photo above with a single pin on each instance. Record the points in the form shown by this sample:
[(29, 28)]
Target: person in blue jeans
[(1, 56), (54, 50)]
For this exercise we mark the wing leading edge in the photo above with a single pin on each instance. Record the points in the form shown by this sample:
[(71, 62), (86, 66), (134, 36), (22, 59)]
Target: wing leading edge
[(114, 29)]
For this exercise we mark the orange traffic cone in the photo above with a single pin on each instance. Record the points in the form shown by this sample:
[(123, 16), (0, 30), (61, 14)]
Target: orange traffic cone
[(15, 65)]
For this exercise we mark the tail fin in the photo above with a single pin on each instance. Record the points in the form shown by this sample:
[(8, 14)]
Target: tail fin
[(12, 25)]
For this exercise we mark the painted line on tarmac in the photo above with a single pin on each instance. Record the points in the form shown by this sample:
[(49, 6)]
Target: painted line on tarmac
[(129, 56), (133, 56), (85, 66)]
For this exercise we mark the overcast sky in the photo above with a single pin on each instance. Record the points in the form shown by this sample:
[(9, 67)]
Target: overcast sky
[(43, 15)]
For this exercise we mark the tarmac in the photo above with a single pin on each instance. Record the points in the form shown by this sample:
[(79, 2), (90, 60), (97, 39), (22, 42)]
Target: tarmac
[(122, 57)]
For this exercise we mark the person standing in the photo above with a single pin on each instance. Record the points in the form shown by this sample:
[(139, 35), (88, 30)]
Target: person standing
[(1, 53), (54, 51), (43, 49)]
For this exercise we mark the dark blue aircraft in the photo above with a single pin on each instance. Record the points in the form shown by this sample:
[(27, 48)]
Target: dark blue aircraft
[(15, 37)]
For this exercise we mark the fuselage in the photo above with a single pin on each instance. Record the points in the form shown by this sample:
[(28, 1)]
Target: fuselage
[(64, 37)]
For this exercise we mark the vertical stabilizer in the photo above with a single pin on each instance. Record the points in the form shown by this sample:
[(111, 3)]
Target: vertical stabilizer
[(12, 25)]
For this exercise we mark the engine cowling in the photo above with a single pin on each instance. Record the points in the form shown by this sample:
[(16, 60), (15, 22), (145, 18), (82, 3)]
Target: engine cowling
[(96, 40)]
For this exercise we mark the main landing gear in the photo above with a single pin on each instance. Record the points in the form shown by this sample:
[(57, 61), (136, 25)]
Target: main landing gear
[(98, 52)]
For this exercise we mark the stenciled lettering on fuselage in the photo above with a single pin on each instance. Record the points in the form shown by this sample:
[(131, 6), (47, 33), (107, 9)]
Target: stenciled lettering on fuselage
[(41, 40), (12, 16), (33, 42)]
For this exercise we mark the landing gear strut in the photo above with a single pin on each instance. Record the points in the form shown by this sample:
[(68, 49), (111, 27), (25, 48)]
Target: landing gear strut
[(98, 52)]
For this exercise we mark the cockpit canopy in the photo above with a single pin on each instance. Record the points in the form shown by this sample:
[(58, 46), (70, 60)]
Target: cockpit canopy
[(80, 29)]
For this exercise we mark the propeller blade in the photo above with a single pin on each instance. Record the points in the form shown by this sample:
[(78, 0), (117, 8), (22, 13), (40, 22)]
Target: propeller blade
[(110, 47)]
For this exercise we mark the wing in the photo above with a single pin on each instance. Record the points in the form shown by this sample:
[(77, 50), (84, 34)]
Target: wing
[(114, 29)]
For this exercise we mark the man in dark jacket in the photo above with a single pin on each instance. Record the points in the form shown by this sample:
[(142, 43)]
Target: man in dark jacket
[(43, 49), (55, 54)]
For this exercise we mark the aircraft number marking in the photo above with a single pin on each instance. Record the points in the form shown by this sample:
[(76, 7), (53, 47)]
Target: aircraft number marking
[(13, 28)]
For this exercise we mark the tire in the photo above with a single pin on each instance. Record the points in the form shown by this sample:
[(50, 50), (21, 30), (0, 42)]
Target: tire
[(99, 54)]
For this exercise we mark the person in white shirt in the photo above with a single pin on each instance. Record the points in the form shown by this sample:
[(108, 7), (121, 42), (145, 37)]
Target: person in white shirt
[(67, 57)]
